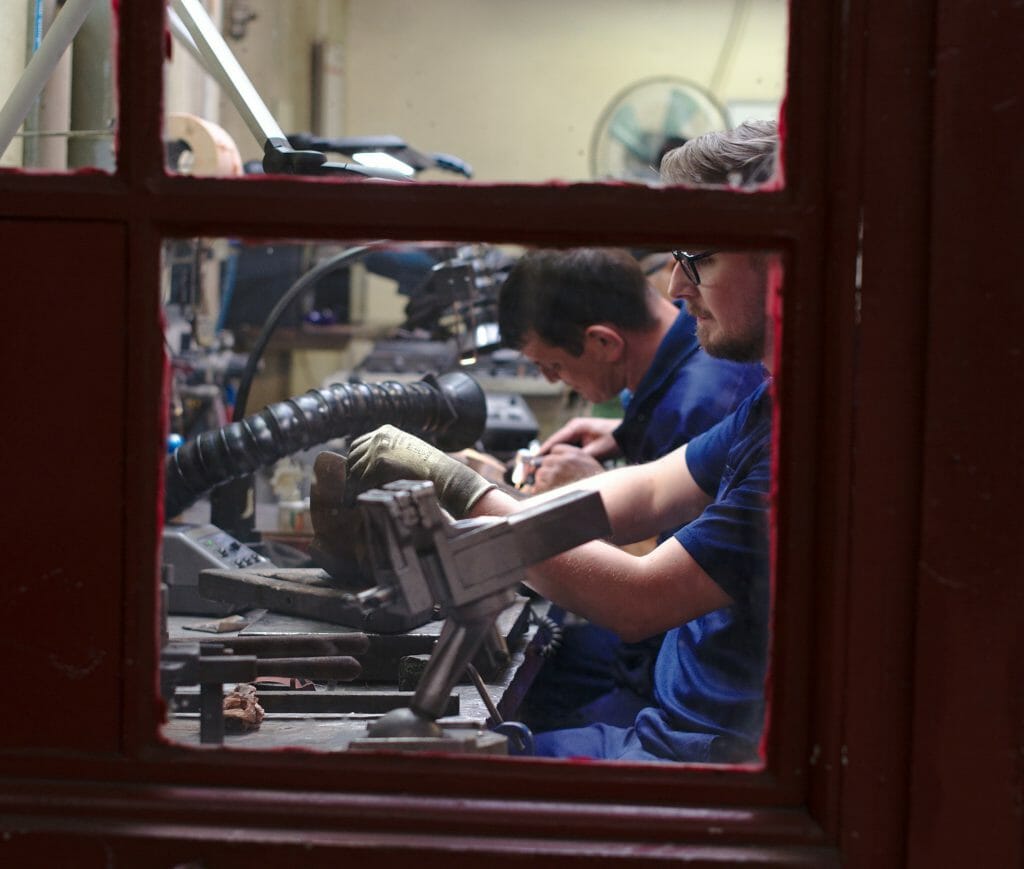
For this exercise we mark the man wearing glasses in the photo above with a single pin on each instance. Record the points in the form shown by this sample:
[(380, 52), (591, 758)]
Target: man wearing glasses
[(588, 317), (708, 585)]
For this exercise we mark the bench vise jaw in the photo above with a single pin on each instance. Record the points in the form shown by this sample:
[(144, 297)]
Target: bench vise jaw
[(466, 570)]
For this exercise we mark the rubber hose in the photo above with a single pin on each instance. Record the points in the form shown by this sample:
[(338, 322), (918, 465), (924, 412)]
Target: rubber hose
[(450, 410)]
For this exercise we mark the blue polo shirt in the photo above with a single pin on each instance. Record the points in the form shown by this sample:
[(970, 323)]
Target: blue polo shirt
[(682, 394), (709, 674)]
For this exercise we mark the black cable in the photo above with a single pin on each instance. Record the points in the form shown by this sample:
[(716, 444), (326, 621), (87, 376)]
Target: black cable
[(554, 638), (345, 258)]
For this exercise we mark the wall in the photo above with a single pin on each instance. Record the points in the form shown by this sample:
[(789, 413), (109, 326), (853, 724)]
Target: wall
[(13, 42), (516, 95)]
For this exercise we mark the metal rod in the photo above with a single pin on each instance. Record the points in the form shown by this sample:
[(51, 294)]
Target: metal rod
[(292, 645), (211, 713), (337, 667), (223, 65), (180, 32), (39, 69), (485, 695), (65, 134)]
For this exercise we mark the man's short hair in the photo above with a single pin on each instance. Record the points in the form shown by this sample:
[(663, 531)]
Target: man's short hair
[(557, 294), (741, 157)]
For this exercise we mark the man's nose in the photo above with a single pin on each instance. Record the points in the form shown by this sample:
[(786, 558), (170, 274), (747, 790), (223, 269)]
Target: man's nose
[(680, 286)]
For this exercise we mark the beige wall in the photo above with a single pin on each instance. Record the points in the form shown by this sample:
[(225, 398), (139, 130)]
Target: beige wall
[(514, 88), (13, 44)]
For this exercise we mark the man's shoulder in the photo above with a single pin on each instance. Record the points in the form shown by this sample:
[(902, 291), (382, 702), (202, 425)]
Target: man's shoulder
[(747, 427), (754, 413)]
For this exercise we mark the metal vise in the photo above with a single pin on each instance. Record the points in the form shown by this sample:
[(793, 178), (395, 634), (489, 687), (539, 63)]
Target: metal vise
[(469, 568)]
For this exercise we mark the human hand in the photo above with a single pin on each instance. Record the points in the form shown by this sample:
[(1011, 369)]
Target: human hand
[(390, 454), (564, 464), (591, 433)]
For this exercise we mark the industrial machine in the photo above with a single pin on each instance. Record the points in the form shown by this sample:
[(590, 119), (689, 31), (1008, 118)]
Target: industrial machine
[(450, 409), (423, 566), (186, 550), (392, 566), (417, 568), (468, 569)]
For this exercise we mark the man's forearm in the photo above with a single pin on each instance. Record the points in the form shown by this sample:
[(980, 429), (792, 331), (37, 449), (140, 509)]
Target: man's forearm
[(636, 597), (637, 500)]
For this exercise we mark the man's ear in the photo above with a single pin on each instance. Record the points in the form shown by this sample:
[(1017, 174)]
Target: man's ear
[(606, 342)]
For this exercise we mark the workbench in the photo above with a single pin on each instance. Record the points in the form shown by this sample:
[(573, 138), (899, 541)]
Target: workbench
[(334, 715)]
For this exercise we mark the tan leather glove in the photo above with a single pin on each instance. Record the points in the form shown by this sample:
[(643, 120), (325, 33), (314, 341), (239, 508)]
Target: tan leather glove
[(390, 454)]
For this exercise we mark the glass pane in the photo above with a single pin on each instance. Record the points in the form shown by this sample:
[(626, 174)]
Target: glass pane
[(534, 370), (527, 92), (57, 85)]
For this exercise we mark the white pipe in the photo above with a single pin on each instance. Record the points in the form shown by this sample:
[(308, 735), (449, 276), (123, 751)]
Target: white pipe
[(221, 62), (184, 37), (208, 107), (35, 36), (55, 108), (40, 67)]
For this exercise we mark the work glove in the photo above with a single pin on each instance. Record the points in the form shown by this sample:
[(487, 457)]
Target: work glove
[(390, 454)]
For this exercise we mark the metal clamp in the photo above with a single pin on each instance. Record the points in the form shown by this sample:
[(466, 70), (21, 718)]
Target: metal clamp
[(470, 569)]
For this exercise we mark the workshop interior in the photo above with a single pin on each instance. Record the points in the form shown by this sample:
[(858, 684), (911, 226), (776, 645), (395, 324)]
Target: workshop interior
[(386, 625)]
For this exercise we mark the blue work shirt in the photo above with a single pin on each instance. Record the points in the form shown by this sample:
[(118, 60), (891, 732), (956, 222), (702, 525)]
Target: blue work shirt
[(709, 674), (683, 393)]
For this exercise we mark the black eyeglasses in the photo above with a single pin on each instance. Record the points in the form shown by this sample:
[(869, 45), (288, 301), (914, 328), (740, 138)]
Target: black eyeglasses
[(688, 263)]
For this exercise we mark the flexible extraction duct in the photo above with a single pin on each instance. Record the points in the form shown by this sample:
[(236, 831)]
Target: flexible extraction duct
[(450, 410)]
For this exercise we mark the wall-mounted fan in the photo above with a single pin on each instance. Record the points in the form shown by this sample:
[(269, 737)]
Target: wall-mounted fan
[(646, 119)]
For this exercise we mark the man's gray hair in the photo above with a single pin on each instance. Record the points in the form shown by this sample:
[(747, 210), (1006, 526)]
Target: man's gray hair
[(742, 157)]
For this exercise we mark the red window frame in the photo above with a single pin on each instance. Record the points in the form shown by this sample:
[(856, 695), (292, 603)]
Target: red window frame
[(850, 754)]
